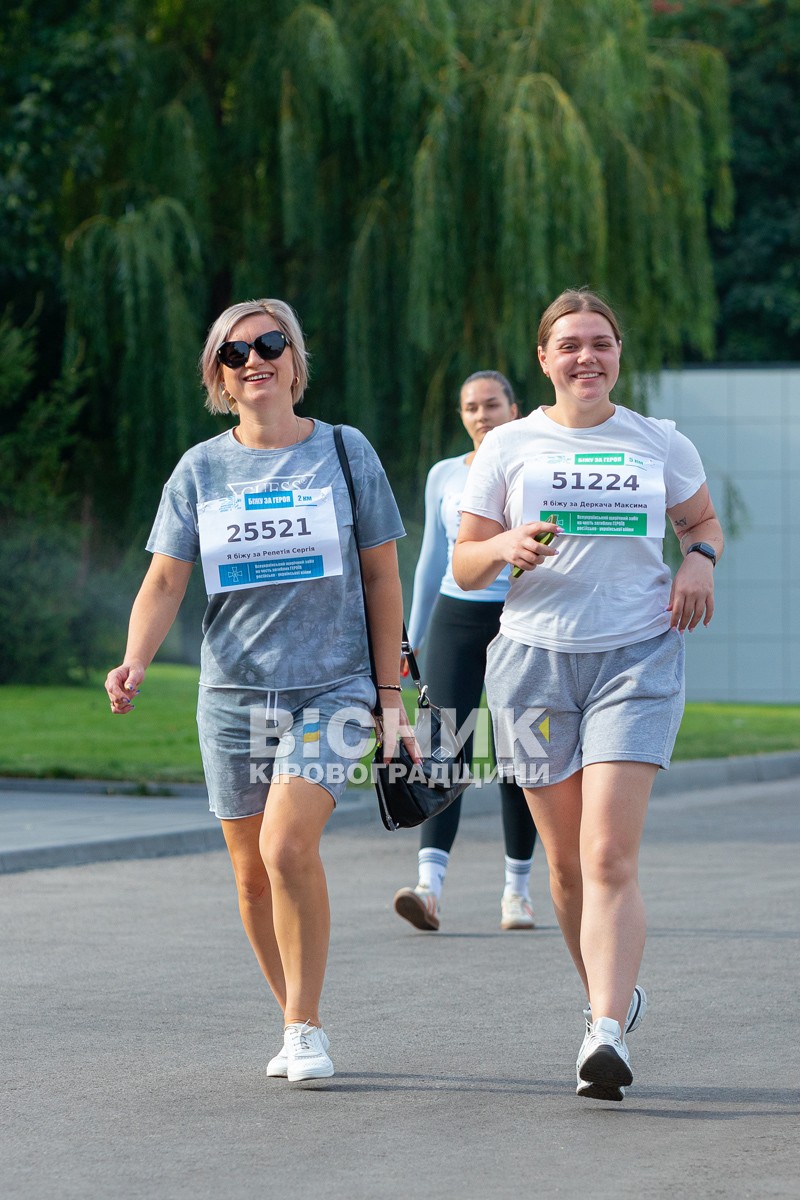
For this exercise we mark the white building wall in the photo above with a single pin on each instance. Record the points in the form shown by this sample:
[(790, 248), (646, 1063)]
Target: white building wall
[(745, 423)]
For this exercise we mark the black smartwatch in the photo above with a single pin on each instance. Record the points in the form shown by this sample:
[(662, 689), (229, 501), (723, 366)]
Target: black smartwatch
[(703, 548)]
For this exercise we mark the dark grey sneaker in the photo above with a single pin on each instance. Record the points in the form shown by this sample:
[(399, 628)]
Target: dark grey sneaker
[(603, 1067)]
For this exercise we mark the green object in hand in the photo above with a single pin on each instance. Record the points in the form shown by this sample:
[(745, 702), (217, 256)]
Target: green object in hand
[(543, 538)]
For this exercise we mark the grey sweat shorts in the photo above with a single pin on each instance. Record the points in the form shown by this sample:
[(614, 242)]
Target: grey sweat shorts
[(554, 713), (249, 737)]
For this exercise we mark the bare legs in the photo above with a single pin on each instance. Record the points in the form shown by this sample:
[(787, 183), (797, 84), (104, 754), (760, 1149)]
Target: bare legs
[(296, 814), (591, 827), (255, 899), (283, 895)]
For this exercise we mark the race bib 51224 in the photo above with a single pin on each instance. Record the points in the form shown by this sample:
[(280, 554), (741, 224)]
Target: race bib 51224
[(597, 494)]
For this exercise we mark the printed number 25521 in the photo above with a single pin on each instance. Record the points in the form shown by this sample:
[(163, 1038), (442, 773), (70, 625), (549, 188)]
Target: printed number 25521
[(265, 531)]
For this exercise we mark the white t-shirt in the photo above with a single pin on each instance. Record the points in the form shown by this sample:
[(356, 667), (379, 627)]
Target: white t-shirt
[(601, 591), (434, 571)]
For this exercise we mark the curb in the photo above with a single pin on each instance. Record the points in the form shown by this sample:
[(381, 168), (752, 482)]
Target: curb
[(357, 808), (702, 773), (158, 845), (100, 787)]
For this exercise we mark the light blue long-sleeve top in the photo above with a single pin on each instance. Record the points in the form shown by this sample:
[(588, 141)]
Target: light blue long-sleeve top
[(434, 571)]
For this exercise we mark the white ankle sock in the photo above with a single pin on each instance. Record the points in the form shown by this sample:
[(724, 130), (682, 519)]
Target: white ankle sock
[(432, 868), (518, 875)]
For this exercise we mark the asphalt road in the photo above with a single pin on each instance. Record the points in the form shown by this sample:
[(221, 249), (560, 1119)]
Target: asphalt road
[(135, 1028)]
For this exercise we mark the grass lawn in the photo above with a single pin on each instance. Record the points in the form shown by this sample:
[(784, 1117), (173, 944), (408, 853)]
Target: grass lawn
[(68, 732)]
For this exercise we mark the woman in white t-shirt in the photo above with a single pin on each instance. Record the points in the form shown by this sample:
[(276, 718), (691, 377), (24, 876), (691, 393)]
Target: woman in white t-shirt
[(585, 679), (455, 627)]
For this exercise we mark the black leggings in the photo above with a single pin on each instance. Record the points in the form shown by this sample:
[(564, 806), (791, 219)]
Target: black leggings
[(455, 664)]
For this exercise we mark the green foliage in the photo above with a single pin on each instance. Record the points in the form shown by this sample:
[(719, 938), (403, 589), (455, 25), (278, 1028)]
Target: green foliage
[(54, 618), (757, 255), (127, 268), (57, 67), (68, 732), (418, 178), (54, 602), (158, 742), (38, 436)]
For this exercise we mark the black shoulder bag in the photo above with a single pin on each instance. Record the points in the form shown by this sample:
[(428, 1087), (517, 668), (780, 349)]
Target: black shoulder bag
[(408, 792)]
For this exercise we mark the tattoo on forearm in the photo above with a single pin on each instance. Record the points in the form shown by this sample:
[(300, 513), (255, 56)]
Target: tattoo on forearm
[(683, 528)]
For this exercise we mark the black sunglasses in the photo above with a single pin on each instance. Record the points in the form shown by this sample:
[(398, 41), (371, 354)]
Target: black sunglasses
[(268, 346)]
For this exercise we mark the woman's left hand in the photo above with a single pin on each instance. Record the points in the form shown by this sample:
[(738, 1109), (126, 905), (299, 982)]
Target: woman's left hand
[(393, 724), (692, 597)]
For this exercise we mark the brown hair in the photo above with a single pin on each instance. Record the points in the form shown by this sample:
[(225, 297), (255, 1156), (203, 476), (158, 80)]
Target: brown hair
[(284, 316), (571, 301), (498, 378)]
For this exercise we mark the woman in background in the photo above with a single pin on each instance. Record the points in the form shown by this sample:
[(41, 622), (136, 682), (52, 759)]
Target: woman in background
[(455, 627)]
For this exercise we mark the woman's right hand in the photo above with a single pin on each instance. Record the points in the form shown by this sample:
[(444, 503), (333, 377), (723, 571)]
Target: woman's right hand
[(393, 725), (521, 548), (122, 684)]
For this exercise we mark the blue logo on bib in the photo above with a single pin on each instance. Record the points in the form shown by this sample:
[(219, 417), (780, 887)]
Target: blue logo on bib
[(268, 500)]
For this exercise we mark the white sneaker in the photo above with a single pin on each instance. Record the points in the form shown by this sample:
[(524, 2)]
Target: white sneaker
[(636, 1010), (278, 1067), (306, 1054), (516, 912), (603, 1067), (418, 905)]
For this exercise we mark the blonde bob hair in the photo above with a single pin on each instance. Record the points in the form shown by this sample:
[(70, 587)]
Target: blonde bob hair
[(218, 400)]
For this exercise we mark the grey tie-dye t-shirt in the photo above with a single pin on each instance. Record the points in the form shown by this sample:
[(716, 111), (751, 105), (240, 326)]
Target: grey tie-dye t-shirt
[(295, 634)]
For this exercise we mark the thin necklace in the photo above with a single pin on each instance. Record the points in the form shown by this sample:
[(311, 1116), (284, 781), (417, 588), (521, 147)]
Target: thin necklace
[(237, 433)]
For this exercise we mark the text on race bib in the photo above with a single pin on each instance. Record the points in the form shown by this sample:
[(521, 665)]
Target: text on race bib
[(591, 495), (263, 538)]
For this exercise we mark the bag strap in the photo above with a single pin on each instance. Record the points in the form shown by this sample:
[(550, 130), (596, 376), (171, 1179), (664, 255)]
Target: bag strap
[(406, 645), (413, 669), (348, 478)]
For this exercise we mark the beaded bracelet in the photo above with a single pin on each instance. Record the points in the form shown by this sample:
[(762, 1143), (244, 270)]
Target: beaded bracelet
[(389, 687)]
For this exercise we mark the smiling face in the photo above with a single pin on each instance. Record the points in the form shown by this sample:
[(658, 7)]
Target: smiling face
[(581, 358), (259, 381), (484, 405)]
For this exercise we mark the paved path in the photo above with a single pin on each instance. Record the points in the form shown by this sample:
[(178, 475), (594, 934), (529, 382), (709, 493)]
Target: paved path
[(135, 1029), (55, 823)]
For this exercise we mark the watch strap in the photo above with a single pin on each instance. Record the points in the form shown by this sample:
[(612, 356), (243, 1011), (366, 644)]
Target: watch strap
[(704, 549)]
